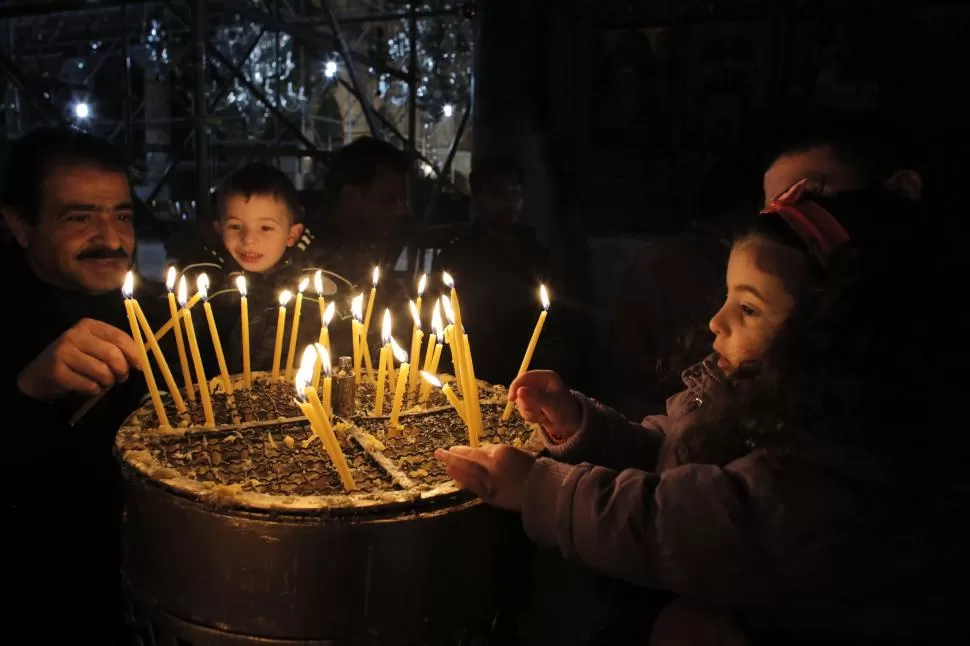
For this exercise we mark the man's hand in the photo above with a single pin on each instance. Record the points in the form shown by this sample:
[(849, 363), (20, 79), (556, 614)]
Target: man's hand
[(496, 473), (86, 359), (542, 398)]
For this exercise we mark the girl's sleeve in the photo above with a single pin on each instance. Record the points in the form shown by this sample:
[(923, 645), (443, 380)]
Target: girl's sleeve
[(694, 530), (607, 438)]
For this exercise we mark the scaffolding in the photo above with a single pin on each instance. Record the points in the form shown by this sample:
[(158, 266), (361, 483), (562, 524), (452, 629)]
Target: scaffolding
[(193, 89)]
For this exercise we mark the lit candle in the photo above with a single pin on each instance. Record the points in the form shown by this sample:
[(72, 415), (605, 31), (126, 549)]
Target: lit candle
[(531, 348), (324, 340), (450, 395), (422, 285), (210, 418), (473, 408), (467, 380), (453, 339), (179, 340), (127, 290), (244, 313), (382, 365), (146, 328), (416, 336), (165, 329), (323, 356), (435, 339), (356, 307), (364, 343), (402, 378), (202, 283), (312, 408), (318, 286), (285, 297), (295, 327)]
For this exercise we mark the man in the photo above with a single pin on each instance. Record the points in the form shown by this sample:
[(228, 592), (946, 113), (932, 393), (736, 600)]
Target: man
[(67, 202), (499, 264), (844, 154)]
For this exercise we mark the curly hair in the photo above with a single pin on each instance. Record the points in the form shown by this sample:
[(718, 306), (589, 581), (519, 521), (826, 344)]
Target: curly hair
[(850, 367)]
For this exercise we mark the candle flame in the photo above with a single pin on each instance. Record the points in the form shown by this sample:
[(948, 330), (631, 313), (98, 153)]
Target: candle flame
[(431, 379), (305, 372), (128, 287), (386, 326), (318, 282), (170, 278), (544, 297), (447, 279), (285, 297), (241, 285), (449, 311), (415, 314), (202, 284), (436, 323), (422, 284), (183, 291), (303, 285), (328, 313), (398, 351), (357, 307), (324, 359), (376, 275)]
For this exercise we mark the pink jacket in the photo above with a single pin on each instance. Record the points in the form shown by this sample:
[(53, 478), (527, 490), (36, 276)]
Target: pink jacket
[(806, 544)]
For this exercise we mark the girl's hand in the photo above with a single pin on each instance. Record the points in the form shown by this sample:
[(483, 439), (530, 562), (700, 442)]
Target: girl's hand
[(496, 473), (542, 398)]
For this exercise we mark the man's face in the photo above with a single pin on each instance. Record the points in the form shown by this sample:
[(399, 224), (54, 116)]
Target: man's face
[(500, 201), (84, 236), (258, 230), (380, 207), (819, 165)]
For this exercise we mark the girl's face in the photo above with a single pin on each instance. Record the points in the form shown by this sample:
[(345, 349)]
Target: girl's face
[(756, 306), (258, 231)]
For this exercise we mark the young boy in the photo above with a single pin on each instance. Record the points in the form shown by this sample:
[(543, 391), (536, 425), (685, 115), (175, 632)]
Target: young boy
[(258, 221)]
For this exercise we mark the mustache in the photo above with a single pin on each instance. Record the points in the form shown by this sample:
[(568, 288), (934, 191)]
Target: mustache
[(103, 253)]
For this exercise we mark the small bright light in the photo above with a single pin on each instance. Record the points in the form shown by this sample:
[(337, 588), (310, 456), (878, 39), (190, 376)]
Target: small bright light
[(241, 285), (544, 297), (427, 169), (171, 278), (328, 313), (324, 359), (330, 69), (357, 307), (285, 297), (202, 284), (431, 379), (386, 327), (128, 287), (415, 314), (436, 322), (183, 291), (82, 110), (376, 275), (448, 110), (422, 284), (303, 285), (318, 282), (399, 353)]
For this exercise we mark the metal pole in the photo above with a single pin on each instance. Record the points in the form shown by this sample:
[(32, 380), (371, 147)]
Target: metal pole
[(443, 176), (351, 69), (413, 82), (129, 139), (201, 111)]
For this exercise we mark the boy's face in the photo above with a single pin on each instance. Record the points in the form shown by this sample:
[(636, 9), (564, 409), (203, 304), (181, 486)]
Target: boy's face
[(257, 231), (756, 306)]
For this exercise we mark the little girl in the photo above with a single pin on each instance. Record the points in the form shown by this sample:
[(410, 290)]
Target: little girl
[(772, 486)]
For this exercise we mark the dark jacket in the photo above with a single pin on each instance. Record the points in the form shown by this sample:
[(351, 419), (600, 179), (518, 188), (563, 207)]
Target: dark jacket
[(806, 544), (498, 276), (62, 484)]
